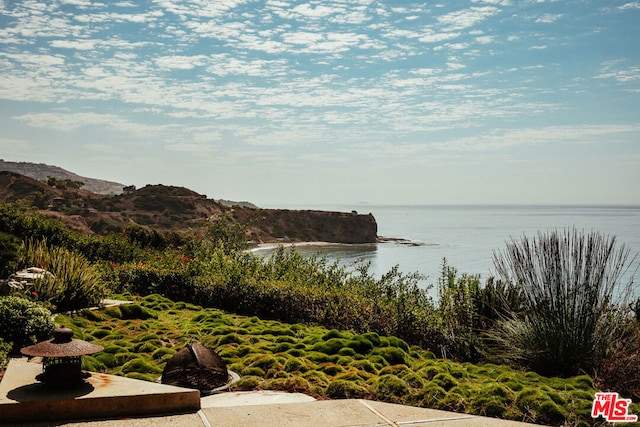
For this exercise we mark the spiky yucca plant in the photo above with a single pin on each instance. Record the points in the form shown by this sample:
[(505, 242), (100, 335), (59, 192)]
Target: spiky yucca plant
[(74, 283), (574, 303)]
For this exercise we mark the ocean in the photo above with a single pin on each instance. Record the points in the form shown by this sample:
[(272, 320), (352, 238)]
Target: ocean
[(467, 236)]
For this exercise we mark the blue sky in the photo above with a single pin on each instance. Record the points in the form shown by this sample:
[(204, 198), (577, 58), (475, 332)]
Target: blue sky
[(300, 103)]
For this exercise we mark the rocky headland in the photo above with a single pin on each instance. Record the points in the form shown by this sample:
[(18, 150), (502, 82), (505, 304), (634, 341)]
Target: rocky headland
[(66, 197)]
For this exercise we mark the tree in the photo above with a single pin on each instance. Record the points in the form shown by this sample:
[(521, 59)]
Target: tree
[(574, 302), (9, 246), (227, 233)]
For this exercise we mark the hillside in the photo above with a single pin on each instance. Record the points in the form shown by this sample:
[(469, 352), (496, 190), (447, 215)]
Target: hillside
[(170, 208), (42, 172)]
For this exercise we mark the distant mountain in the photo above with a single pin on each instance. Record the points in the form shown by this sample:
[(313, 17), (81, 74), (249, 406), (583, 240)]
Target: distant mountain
[(42, 172)]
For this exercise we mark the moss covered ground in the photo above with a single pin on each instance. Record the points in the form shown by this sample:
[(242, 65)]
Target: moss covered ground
[(139, 338)]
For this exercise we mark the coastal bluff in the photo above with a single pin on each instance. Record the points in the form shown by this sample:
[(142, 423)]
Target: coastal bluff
[(177, 209), (282, 225)]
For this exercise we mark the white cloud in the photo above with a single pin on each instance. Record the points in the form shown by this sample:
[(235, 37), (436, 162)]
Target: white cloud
[(82, 4), (28, 60), (352, 17), (457, 46), (225, 65), (631, 5), (74, 44), (496, 2), (466, 18), (549, 18), (502, 139), (67, 122), (612, 70), (308, 11), (431, 36), (485, 39), (181, 62), (454, 65), (302, 37)]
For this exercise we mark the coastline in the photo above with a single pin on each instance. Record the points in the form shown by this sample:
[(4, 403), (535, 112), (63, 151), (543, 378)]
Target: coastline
[(274, 245), (268, 246)]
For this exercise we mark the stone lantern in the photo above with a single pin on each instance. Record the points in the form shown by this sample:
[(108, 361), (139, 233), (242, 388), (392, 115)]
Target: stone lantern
[(62, 358)]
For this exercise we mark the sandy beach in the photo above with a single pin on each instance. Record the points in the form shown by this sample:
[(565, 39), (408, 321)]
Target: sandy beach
[(274, 245)]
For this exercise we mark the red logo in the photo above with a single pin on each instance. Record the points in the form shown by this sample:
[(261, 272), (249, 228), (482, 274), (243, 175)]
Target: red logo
[(612, 408)]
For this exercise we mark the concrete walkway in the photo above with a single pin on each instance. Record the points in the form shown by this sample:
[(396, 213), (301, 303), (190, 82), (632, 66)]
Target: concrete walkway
[(110, 401)]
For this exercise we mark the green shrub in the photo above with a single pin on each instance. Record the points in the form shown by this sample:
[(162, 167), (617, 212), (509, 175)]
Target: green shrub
[(360, 344), (290, 384), (113, 312), (331, 346), (26, 226), (393, 355), (93, 315), (9, 246), (390, 388), (331, 369), (457, 306), (75, 283), (136, 311), (539, 406), (5, 348), (144, 377), (122, 358), (163, 353), (489, 406), (432, 394), (148, 347), (24, 322), (249, 382), (453, 401), (573, 305), (140, 365), (107, 359), (93, 364), (365, 365), (344, 389), (445, 381), (469, 388)]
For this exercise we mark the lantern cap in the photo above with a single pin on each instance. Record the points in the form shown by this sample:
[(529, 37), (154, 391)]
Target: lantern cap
[(62, 345)]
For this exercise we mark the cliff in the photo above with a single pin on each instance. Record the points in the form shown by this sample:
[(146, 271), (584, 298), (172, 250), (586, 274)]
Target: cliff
[(169, 208), (280, 225)]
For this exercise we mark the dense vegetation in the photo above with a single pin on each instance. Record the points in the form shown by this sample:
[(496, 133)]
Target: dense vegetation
[(326, 363), (382, 338)]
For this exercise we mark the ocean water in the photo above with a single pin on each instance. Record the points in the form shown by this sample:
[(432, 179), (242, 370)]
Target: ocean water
[(468, 236)]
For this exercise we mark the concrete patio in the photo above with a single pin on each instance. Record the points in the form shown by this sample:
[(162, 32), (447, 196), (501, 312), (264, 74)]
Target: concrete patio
[(110, 401)]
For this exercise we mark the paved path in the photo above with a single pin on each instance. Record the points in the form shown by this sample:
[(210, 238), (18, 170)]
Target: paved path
[(125, 402), (320, 413)]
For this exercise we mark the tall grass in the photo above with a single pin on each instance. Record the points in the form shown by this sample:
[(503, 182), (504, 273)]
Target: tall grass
[(74, 282), (573, 303)]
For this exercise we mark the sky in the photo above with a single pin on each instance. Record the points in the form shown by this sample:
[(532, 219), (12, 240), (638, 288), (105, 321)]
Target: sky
[(319, 103)]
